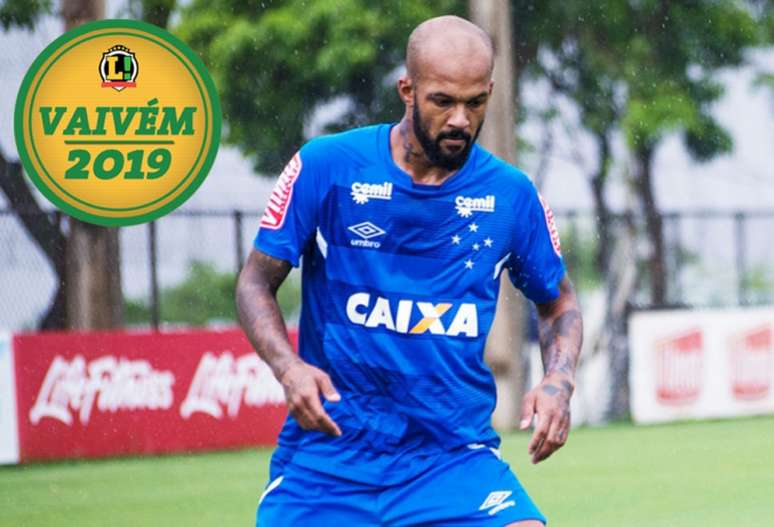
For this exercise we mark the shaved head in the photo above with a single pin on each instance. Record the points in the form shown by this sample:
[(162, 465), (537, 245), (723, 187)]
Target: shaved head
[(445, 89), (448, 39)]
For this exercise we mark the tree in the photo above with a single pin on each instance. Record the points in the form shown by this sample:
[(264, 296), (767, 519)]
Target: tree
[(87, 296), (277, 63), (23, 13), (648, 70), (44, 229), (504, 352)]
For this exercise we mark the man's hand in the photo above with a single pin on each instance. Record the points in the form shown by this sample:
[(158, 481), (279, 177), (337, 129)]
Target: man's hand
[(303, 384), (550, 400)]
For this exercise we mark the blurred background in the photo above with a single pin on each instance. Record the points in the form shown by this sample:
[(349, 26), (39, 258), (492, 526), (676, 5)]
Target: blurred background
[(648, 125)]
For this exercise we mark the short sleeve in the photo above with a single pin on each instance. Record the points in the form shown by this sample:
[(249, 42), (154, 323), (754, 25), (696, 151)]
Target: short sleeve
[(536, 266), (290, 217)]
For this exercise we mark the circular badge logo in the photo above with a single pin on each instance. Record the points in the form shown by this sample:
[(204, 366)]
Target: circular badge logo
[(117, 122)]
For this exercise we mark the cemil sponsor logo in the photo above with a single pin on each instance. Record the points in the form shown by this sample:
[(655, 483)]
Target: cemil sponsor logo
[(362, 192), (117, 122), (462, 319), (467, 206)]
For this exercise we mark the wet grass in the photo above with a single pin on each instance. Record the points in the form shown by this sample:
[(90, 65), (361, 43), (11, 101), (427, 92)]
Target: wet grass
[(689, 474)]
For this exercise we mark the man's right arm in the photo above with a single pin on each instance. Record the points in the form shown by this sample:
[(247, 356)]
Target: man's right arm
[(262, 322)]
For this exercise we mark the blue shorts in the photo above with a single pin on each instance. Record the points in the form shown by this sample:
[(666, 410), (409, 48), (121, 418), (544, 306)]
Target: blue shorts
[(472, 487)]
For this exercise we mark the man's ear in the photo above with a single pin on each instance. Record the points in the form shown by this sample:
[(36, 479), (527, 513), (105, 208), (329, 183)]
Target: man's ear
[(406, 90)]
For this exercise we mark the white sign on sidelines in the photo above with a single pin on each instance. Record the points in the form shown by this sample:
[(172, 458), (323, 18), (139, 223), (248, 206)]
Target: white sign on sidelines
[(9, 437), (701, 364)]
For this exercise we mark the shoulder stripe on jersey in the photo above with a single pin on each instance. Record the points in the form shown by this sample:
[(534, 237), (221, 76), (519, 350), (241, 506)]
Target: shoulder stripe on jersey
[(274, 215), (551, 226)]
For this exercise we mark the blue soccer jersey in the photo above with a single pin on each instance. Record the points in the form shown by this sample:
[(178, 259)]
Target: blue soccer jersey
[(399, 287)]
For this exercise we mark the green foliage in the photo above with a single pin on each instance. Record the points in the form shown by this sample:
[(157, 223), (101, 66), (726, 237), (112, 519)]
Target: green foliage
[(648, 67), (276, 62), (759, 285), (205, 296), (23, 13)]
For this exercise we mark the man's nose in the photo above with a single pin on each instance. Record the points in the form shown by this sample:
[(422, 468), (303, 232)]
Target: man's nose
[(459, 118)]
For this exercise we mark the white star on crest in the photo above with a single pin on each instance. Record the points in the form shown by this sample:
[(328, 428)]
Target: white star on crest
[(473, 227), (476, 246), (456, 240), (468, 264), (488, 242)]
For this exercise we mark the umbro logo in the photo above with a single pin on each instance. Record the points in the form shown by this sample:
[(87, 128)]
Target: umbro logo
[(366, 230), (362, 192), (495, 502), (467, 206)]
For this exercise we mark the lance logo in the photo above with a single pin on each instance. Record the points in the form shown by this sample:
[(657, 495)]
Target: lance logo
[(118, 68)]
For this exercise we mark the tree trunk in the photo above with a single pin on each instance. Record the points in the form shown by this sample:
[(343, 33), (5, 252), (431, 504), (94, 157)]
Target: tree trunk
[(157, 11), (504, 350), (94, 298), (43, 229), (601, 210), (653, 225)]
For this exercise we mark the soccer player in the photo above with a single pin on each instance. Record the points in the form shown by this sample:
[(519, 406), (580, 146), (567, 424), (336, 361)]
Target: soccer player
[(404, 230)]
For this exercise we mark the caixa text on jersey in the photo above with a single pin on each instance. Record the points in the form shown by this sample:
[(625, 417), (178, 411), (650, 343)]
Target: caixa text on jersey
[(462, 319)]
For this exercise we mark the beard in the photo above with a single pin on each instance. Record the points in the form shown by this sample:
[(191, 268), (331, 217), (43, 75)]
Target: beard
[(432, 146)]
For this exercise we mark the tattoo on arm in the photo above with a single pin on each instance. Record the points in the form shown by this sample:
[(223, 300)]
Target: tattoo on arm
[(552, 390), (259, 312), (561, 335)]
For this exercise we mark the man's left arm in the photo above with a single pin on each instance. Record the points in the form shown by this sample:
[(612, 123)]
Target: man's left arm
[(561, 334)]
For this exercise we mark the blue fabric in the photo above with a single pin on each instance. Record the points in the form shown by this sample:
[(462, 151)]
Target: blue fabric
[(469, 487), (399, 287)]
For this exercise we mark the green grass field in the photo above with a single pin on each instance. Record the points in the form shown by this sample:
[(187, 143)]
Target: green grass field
[(690, 474)]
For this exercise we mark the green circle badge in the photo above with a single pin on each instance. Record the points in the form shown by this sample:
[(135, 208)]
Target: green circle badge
[(117, 122)]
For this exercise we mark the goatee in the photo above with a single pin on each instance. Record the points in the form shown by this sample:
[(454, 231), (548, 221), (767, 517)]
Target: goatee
[(433, 149)]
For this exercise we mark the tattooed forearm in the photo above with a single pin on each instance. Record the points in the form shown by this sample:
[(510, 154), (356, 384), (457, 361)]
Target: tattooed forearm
[(557, 339), (561, 335), (259, 313)]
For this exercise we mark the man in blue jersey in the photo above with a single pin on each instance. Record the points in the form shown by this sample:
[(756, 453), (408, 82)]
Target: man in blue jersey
[(404, 231)]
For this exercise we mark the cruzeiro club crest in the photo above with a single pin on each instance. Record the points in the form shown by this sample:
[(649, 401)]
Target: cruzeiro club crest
[(118, 68)]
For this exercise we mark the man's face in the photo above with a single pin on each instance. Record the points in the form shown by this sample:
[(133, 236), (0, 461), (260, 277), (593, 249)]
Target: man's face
[(447, 117), (448, 149)]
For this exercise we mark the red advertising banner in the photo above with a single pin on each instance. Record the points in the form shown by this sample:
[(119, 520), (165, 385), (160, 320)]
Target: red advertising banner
[(118, 393), (751, 358), (701, 363), (680, 368)]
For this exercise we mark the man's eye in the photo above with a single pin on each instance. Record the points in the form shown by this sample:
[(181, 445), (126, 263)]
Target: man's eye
[(443, 103), (475, 103)]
